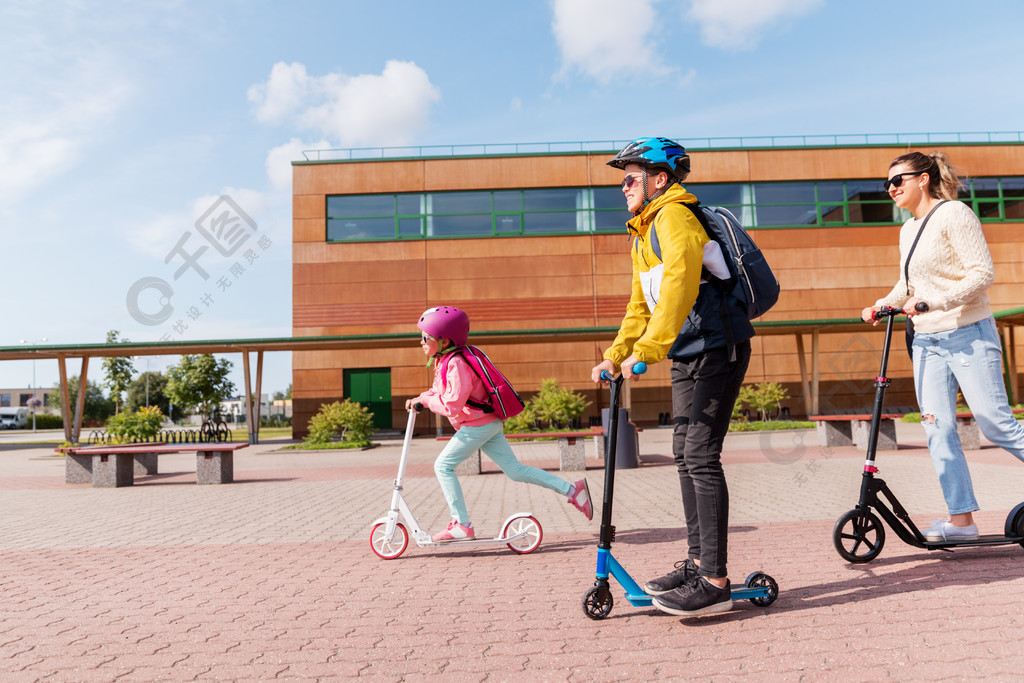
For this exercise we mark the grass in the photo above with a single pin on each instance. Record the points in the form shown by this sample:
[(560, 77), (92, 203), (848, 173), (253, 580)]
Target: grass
[(770, 425), (334, 446)]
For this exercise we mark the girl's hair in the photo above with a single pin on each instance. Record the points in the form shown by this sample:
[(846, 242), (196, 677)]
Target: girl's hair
[(943, 178)]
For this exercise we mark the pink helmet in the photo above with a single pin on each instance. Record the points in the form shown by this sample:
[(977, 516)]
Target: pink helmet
[(446, 322)]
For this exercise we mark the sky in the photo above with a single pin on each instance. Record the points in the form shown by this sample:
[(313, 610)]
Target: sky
[(146, 147)]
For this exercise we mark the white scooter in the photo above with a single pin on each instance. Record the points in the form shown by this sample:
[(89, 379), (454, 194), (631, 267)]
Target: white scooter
[(389, 538)]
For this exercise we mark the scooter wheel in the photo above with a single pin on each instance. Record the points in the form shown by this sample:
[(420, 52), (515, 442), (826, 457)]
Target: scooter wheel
[(530, 542), (858, 536), (385, 549), (762, 580), (1015, 524), (596, 605)]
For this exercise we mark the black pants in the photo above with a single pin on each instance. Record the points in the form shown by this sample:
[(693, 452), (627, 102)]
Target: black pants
[(704, 391)]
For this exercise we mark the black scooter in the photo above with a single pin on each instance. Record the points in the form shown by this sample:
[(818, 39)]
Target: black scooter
[(859, 535), (759, 588)]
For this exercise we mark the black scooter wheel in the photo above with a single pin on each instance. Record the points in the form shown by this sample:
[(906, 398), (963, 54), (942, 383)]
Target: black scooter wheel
[(1015, 524), (762, 580), (858, 536), (597, 603)]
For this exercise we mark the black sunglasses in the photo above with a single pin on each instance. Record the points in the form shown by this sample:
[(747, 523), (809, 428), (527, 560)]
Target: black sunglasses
[(629, 181), (897, 179)]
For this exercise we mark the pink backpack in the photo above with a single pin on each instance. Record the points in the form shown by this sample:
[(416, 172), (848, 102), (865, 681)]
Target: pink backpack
[(504, 401)]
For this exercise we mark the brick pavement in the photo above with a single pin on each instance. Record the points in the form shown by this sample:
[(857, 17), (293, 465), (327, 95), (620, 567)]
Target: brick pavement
[(273, 576)]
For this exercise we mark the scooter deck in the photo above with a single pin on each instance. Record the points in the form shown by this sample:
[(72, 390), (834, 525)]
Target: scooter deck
[(743, 592), (499, 540), (984, 539)]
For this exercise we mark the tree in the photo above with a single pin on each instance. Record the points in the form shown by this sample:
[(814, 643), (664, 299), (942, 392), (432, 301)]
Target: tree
[(118, 371), (136, 396), (97, 406), (199, 381), (283, 395)]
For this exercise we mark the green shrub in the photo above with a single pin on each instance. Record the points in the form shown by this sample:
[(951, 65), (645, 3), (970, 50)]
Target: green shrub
[(763, 396), (523, 422), (347, 419), (46, 421), (553, 406), (133, 427)]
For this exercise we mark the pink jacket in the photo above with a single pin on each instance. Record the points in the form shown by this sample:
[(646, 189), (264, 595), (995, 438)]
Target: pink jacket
[(450, 401)]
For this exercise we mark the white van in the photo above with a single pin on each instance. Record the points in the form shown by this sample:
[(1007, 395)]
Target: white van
[(14, 418)]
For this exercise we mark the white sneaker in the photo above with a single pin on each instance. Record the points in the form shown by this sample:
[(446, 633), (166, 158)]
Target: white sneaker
[(943, 530)]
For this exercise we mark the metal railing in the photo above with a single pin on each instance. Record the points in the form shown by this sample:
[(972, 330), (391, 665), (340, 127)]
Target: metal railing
[(739, 142)]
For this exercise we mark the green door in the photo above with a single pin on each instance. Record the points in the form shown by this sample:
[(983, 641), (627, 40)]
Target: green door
[(371, 387)]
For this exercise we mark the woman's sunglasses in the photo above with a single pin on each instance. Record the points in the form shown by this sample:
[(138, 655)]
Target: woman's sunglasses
[(897, 179)]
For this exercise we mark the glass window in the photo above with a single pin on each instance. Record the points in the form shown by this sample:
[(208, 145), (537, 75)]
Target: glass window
[(562, 221), (460, 202), (725, 194), (783, 193), (508, 201), (410, 227), (794, 214), (5, 400), (866, 190), (361, 205), (411, 205), (1013, 198), (360, 229), (831, 192), (509, 223), (450, 226), (609, 198), (611, 221), (987, 209), (988, 187), (551, 200)]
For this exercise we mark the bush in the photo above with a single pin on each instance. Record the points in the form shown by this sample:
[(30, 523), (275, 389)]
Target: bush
[(46, 421), (553, 406), (350, 420), (763, 396), (133, 427)]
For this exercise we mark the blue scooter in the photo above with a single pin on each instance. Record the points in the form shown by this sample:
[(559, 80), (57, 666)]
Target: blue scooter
[(759, 588)]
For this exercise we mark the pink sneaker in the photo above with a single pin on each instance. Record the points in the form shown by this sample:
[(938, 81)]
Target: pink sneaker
[(580, 498), (456, 532)]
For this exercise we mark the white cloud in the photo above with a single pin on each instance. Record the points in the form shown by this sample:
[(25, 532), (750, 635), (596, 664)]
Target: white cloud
[(46, 126), (606, 39), (739, 24), (280, 158), (389, 108)]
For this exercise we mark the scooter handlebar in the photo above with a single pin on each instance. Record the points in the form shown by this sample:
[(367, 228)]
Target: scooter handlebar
[(639, 368), (889, 311)]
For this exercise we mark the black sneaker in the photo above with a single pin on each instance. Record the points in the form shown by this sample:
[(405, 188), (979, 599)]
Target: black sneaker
[(701, 597), (684, 573)]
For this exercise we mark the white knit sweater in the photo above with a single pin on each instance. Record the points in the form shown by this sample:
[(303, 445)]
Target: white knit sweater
[(951, 269)]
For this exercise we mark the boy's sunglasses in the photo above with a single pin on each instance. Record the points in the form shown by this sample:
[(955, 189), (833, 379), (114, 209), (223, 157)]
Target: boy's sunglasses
[(897, 179), (629, 181)]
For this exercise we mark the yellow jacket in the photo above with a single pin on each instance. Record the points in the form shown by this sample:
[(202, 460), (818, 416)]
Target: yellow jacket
[(663, 290)]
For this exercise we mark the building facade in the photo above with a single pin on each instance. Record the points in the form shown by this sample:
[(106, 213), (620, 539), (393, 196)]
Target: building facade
[(531, 243)]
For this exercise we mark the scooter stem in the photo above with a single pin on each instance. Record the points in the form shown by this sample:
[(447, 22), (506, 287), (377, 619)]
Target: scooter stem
[(607, 530)]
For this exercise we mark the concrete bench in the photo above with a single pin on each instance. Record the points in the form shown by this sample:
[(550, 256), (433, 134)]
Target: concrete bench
[(115, 466), (855, 430), (969, 432), (571, 453)]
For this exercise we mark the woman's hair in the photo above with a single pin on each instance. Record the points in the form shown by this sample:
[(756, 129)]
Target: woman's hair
[(943, 178)]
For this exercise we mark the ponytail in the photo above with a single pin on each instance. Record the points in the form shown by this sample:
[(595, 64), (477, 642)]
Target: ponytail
[(943, 178)]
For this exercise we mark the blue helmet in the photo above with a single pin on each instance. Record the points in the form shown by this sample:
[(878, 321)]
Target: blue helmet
[(660, 153)]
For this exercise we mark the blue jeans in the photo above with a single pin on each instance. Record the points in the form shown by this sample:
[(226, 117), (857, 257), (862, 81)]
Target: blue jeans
[(490, 439), (968, 358)]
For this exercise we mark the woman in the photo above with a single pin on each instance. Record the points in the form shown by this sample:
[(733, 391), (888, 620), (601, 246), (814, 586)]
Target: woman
[(956, 345)]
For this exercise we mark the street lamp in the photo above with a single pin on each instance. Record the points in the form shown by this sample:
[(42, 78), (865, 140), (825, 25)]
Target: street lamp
[(33, 387)]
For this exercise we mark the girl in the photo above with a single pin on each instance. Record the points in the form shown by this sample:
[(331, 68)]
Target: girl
[(445, 329)]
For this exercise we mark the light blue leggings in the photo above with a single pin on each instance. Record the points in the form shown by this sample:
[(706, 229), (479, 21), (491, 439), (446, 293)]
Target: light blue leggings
[(490, 439)]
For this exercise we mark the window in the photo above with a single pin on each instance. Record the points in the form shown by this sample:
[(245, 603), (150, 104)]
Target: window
[(5, 400), (553, 211), (23, 399)]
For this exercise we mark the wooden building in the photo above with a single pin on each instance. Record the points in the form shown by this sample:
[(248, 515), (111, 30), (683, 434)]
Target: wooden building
[(531, 244)]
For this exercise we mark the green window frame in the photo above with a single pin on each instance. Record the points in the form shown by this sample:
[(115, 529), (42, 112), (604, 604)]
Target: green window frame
[(600, 209)]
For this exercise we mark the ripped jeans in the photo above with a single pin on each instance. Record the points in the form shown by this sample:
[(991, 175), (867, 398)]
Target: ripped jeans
[(968, 358)]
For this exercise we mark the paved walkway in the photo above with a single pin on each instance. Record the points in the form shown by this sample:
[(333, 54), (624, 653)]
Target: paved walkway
[(272, 576)]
